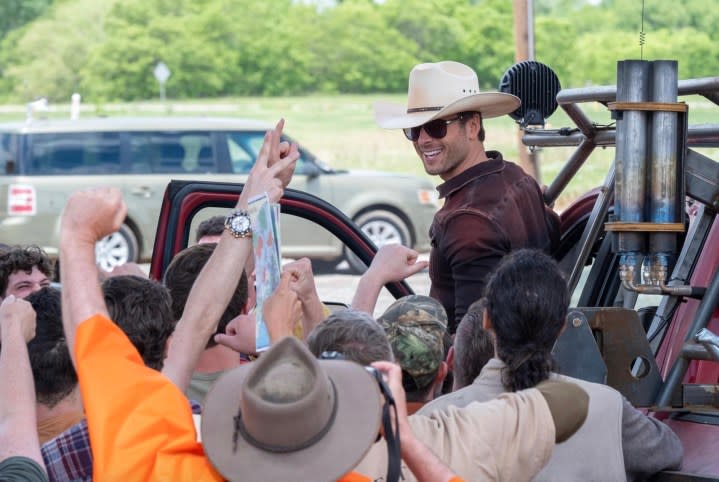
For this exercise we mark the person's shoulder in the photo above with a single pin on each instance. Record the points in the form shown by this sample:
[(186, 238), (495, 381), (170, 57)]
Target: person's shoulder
[(440, 403), (459, 398), (592, 387)]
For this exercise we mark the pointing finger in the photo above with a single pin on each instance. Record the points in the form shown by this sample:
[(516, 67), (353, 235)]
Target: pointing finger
[(265, 151)]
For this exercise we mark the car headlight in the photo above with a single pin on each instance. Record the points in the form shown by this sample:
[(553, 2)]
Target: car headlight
[(428, 196)]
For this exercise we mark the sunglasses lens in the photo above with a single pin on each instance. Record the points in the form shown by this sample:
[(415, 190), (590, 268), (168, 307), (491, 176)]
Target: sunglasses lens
[(412, 133), (436, 129)]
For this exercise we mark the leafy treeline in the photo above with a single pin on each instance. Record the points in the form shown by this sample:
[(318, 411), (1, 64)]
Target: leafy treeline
[(106, 49)]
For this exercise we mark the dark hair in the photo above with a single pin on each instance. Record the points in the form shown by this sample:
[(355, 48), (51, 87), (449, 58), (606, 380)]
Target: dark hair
[(527, 300), (473, 345), (52, 369), (141, 307), (354, 334), (465, 116), (23, 258), (181, 275), (213, 226)]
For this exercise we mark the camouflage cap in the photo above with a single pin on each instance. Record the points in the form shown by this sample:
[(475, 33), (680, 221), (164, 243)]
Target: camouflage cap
[(416, 326)]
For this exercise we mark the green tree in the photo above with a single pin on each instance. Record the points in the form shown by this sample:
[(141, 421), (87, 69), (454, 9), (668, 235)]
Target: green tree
[(434, 26), (46, 57), (16, 13), (489, 44), (139, 34), (555, 46), (356, 51)]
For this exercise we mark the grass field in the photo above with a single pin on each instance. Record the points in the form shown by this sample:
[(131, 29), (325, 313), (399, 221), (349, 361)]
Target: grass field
[(341, 131)]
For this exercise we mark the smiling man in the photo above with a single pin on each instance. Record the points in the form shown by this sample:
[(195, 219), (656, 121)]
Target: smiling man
[(491, 206), (24, 270)]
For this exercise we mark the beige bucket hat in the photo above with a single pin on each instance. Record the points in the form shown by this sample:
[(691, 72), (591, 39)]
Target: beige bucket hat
[(441, 89), (289, 416)]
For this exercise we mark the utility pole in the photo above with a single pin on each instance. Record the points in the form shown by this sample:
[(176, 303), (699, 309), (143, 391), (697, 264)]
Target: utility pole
[(524, 50)]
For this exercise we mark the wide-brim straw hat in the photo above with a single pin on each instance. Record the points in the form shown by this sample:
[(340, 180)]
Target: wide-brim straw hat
[(289, 416), (441, 89)]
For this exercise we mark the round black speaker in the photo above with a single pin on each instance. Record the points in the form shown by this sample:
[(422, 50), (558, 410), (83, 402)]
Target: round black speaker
[(537, 87)]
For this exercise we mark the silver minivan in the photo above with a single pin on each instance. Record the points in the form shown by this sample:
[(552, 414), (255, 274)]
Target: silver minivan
[(42, 162)]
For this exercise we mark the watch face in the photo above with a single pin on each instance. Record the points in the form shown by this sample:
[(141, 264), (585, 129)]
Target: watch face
[(240, 223)]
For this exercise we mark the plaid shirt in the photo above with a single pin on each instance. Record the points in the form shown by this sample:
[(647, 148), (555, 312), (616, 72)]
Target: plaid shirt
[(68, 456)]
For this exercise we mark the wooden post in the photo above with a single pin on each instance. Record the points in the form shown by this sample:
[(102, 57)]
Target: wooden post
[(528, 160)]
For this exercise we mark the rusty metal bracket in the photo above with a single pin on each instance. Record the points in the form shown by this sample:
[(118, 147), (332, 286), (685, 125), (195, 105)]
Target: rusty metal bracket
[(576, 351), (631, 366)]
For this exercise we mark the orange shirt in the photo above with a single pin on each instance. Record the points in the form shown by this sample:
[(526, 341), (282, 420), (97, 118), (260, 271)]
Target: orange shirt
[(140, 424)]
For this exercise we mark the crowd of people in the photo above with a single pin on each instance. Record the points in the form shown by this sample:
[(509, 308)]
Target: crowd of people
[(116, 376)]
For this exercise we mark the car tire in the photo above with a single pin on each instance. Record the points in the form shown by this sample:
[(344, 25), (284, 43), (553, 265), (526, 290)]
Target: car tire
[(382, 227), (116, 249)]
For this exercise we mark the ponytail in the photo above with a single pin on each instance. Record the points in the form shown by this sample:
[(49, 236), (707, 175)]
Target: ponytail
[(525, 367)]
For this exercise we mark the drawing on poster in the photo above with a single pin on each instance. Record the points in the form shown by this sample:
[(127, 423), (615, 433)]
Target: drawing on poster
[(266, 249)]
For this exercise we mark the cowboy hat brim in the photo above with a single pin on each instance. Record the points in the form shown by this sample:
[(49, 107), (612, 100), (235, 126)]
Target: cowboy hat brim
[(489, 104), (354, 429)]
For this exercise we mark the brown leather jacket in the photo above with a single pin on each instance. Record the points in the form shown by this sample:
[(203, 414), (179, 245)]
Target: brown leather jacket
[(489, 210)]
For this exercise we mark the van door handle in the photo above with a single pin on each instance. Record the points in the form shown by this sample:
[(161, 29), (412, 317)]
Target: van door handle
[(142, 191)]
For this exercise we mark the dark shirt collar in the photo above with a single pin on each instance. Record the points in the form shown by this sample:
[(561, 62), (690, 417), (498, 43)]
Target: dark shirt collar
[(494, 163)]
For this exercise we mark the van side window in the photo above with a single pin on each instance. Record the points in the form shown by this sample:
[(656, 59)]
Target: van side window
[(7, 152), (244, 148), (74, 153), (172, 152)]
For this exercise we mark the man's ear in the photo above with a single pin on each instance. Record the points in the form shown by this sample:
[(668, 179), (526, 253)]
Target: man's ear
[(450, 359), (486, 322), (473, 126), (442, 372)]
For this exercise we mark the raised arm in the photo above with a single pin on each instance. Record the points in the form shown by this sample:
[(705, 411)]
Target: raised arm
[(393, 262), (88, 216), (214, 285), (302, 282), (18, 436)]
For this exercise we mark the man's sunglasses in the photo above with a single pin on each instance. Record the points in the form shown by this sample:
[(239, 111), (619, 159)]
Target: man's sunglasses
[(436, 129)]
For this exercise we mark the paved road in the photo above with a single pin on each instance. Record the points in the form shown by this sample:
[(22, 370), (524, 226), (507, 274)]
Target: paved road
[(341, 287)]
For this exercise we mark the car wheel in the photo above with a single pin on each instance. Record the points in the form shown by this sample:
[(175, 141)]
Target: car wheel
[(117, 248), (382, 227)]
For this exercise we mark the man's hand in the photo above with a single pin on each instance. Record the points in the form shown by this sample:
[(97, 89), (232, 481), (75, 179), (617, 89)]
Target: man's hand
[(283, 150), (239, 334), (281, 310), (423, 463), (92, 214), (393, 377), (17, 314), (270, 172), (302, 280), (394, 262)]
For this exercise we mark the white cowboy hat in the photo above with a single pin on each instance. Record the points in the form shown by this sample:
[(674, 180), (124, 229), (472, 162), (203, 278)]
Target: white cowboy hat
[(441, 89)]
